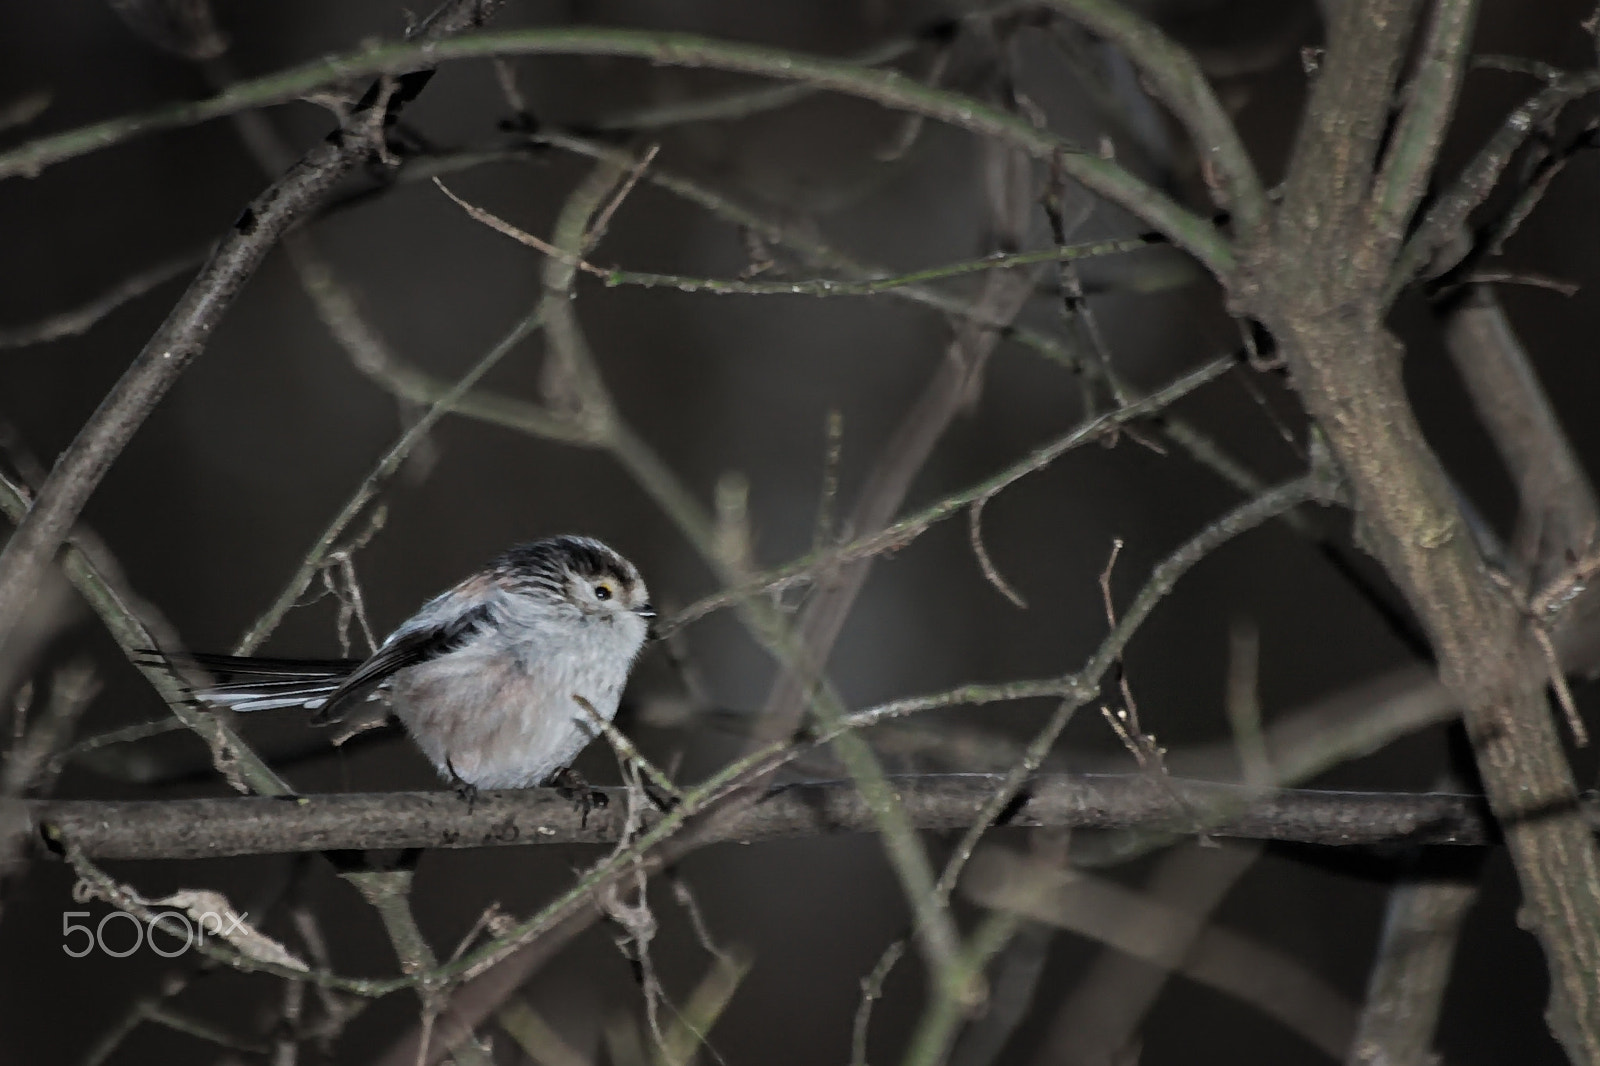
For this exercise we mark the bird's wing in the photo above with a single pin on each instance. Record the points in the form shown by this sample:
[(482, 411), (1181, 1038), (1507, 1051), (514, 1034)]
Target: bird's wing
[(434, 632)]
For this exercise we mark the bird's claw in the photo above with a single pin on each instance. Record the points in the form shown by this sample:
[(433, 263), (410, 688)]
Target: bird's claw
[(571, 785), (467, 791)]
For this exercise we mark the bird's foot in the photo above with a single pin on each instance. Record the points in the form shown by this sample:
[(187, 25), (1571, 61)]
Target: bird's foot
[(467, 791), (571, 785)]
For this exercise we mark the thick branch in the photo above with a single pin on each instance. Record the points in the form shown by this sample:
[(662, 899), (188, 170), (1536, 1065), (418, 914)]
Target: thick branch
[(1328, 317), (181, 337), (1331, 170), (250, 825), (1431, 100)]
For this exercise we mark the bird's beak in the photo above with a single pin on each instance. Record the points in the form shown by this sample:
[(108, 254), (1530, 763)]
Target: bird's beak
[(647, 611)]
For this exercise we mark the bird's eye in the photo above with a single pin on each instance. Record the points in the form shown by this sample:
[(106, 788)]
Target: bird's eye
[(603, 591)]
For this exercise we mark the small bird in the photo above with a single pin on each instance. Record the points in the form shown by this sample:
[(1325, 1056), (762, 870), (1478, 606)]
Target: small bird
[(491, 678)]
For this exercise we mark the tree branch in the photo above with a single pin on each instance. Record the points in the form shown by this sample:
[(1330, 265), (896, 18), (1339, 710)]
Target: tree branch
[(1445, 219), (889, 88), (1431, 100), (1558, 517), (1329, 320), (92, 570), (187, 329), (1330, 172), (1406, 989), (257, 825), (1177, 81)]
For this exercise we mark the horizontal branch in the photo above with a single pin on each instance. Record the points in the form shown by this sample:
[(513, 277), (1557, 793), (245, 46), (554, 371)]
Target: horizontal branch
[(250, 825), (616, 277)]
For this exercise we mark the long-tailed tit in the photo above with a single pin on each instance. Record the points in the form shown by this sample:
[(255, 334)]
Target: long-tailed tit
[(489, 678)]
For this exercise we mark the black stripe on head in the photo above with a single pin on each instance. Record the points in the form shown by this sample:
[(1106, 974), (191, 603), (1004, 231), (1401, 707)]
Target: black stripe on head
[(548, 562)]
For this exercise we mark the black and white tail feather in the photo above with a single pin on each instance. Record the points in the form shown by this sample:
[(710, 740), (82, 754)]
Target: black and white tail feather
[(330, 686), (244, 683)]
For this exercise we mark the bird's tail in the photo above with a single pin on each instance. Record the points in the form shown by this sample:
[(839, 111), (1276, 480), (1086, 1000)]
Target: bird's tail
[(245, 683)]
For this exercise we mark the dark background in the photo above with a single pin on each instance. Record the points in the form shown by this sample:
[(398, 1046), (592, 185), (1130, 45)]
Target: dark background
[(224, 489)]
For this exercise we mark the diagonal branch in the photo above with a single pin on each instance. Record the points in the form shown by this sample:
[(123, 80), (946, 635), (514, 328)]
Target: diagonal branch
[(1558, 515), (1178, 82), (1449, 213), (94, 573), (1405, 991), (184, 334), (1326, 307), (1430, 101)]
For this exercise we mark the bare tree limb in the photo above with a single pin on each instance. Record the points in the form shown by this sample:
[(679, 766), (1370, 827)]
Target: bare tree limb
[(1331, 169), (389, 893), (1556, 522), (1430, 101), (1178, 82), (1448, 215), (891, 89), (250, 825), (1266, 979), (1328, 319), (1406, 988), (1558, 517), (93, 571)]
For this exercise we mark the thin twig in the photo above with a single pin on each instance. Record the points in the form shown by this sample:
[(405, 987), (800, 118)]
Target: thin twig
[(83, 318), (184, 334), (975, 537), (371, 485), (625, 750), (903, 531), (93, 571), (889, 89)]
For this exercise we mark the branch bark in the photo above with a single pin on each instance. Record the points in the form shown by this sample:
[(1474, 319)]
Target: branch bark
[(256, 825), (1557, 515), (1328, 316), (1406, 988)]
